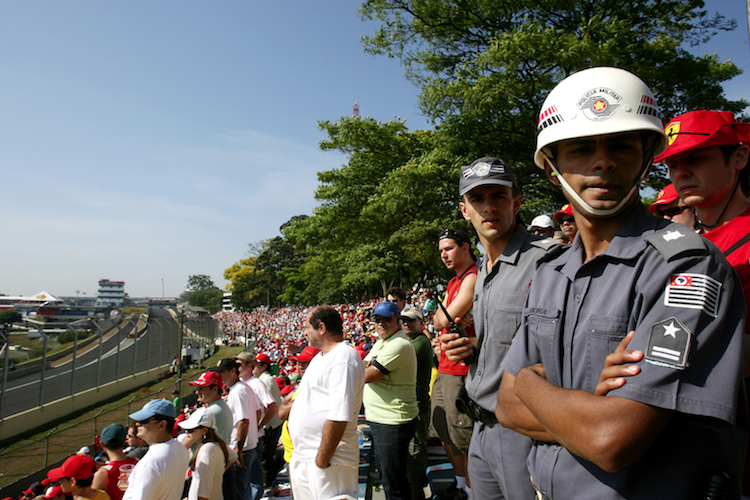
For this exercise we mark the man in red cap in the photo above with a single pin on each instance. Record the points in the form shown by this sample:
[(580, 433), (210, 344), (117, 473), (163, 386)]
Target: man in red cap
[(707, 158), (75, 476), (208, 389), (669, 206), (564, 217)]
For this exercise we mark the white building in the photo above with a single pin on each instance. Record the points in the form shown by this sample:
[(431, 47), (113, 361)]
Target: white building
[(111, 293), (226, 302)]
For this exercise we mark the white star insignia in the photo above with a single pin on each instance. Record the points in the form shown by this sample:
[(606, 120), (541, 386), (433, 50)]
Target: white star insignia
[(671, 330)]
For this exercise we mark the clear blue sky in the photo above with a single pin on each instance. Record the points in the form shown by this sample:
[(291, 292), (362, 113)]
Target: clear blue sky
[(142, 141)]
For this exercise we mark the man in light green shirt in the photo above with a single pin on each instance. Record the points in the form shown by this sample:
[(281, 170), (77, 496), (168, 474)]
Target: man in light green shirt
[(390, 399)]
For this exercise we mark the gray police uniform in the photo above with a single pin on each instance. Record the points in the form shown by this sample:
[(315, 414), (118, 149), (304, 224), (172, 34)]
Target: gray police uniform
[(497, 456), (686, 305)]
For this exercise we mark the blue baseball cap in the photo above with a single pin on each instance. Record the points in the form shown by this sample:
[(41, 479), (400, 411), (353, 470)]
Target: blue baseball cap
[(386, 309), (160, 407)]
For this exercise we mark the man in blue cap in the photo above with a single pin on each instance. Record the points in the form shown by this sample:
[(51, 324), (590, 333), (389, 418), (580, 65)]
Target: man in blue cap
[(160, 474), (390, 398)]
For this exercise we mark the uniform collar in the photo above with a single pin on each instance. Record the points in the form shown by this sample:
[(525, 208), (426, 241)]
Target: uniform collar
[(627, 244), (512, 251)]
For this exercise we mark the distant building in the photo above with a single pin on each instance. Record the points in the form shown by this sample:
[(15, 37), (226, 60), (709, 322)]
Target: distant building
[(23, 304), (111, 293), (226, 302)]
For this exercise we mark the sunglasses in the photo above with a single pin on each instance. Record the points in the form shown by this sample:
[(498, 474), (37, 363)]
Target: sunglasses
[(566, 218), (671, 212), (381, 319)]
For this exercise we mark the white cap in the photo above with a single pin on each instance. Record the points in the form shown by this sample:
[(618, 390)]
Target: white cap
[(542, 222), (200, 418)]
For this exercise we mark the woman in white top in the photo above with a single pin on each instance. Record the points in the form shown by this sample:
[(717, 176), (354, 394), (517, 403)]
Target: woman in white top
[(210, 459)]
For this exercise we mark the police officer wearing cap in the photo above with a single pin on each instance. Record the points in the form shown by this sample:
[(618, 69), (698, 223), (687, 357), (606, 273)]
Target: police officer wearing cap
[(679, 426), (491, 200)]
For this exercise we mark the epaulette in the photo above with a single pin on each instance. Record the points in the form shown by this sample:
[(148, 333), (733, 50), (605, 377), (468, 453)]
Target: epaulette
[(553, 252), (545, 243), (676, 239)]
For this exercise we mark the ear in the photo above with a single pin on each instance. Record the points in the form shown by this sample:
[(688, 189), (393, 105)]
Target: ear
[(322, 328), (462, 206), (517, 204), (550, 174), (740, 157)]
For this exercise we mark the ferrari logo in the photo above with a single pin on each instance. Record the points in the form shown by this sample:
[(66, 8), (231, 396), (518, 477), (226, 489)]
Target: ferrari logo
[(672, 131)]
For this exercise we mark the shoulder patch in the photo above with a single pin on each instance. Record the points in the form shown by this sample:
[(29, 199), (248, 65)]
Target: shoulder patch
[(669, 344), (553, 252), (545, 243), (676, 239)]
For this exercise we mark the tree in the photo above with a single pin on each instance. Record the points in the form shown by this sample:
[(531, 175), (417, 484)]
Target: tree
[(244, 283), (209, 299), (485, 67), (200, 282), (7, 318)]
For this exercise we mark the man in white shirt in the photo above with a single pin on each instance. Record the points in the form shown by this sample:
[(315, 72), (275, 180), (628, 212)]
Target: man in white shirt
[(160, 474), (323, 419), (246, 414)]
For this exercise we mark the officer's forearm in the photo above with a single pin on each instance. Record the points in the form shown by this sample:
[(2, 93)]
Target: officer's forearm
[(512, 413), (611, 432)]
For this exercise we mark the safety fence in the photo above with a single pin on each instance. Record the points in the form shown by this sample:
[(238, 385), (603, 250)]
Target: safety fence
[(19, 461)]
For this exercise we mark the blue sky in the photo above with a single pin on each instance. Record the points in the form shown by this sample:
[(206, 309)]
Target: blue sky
[(143, 141)]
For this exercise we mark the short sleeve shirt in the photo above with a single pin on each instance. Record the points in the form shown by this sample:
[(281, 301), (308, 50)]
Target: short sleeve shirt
[(685, 304), (392, 400), (244, 405), (424, 353), (330, 390), (498, 303)]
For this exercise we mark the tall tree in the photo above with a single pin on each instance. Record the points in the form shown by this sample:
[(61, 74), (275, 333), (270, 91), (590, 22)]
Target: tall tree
[(485, 67), (200, 282)]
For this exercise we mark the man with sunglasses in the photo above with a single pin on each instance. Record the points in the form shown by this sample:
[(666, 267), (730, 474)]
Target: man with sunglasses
[(669, 206), (564, 217), (390, 398), (453, 427), (160, 474)]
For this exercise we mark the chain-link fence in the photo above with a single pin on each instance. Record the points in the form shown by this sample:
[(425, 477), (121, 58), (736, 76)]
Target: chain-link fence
[(19, 461), (114, 349)]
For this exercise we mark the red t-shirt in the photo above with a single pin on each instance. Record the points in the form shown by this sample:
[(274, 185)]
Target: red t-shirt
[(444, 364), (114, 491), (727, 235)]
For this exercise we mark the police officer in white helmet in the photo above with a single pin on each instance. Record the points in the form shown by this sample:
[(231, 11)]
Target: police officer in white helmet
[(664, 415)]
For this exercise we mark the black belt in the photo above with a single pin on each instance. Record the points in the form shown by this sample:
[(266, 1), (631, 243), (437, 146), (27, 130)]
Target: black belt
[(469, 407)]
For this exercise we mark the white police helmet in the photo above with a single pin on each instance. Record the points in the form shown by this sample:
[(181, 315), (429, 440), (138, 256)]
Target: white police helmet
[(598, 101)]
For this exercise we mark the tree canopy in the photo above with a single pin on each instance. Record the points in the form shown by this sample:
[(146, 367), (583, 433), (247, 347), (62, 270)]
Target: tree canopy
[(483, 68)]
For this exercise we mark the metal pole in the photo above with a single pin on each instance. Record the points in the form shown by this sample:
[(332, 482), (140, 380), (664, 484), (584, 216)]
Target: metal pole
[(73, 361), (117, 358), (148, 349), (46, 447), (131, 400), (6, 353), (44, 364), (161, 338), (179, 344), (101, 354), (135, 342)]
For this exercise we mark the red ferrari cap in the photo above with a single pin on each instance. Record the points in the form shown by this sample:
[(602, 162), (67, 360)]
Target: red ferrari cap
[(702, 129), (664, 197), (565, 210)]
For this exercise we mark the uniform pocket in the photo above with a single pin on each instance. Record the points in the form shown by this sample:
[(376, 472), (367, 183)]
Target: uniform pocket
[(603, 335)]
